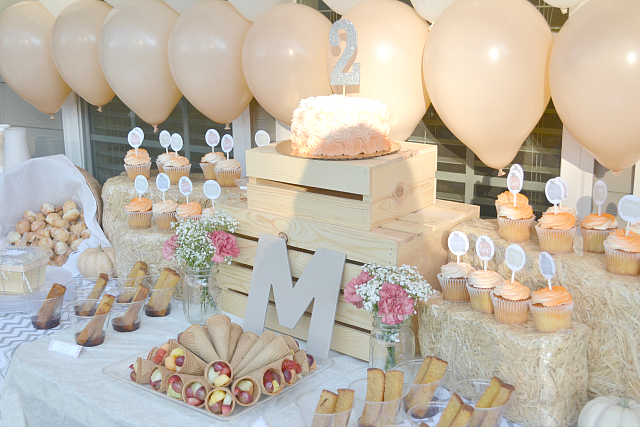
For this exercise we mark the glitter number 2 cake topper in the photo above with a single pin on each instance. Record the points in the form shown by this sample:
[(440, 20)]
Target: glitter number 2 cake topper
[(338, 76)]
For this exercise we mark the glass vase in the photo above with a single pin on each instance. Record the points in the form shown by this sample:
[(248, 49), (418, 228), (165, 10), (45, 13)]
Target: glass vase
[(201, 295), (391, 345)]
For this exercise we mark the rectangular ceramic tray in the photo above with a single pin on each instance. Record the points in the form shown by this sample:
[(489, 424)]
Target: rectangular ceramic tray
[(120, 371)]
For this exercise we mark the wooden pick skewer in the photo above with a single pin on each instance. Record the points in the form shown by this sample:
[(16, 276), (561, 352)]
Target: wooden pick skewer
[(627, 232), (599, 210), (485, 265), (457, 259), (549, 284), (513, 276)]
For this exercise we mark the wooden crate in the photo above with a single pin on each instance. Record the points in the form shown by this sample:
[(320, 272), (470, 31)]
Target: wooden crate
[(417, 239), (362, 194)]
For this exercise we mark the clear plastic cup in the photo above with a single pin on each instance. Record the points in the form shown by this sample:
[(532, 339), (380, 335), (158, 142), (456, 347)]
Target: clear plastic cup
[(159, 303), (127, 315), (78, 289), (418, 393), (375, 414), (427, 414), (470, 391), (44, 313), (89, 331), (307, 403)]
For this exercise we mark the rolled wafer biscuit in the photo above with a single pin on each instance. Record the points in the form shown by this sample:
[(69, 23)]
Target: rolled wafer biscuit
[(255, 350), (245, 342), (258, 375), (93, 329), (208, 373), (197, 341), (162, 387), (375, 393), (143, 369), (234, 336), (393, 387), (51, 304), (275, 350), (255, 392), (132, 312), (219, 328), (188, 384), (233, 402), (300, 357), (159, 301), (96, 293)]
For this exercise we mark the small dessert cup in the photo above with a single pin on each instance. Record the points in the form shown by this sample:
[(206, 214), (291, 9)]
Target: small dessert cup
[(593, 240), (306, 403), (375, 414), (134, 170), (164, 220), (78, 289), (471, 390), (227, 177), (209, 170), (127, 315), (510, 312), (551, 319), (91, 330), (417, 393), (176, 172), (427, 414), (454, 289), (515, 230), (139, 220), (480, 299), (44, 313), (159, 304), (556, 241), (621, 262)]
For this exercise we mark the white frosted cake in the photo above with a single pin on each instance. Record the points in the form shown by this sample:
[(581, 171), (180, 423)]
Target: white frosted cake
[(334, 126)]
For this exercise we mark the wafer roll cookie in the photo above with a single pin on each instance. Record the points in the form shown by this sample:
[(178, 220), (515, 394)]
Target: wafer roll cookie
[(375, 393), (275, 350), (51, 304), (256, 349), (143, 371), (159, 285), (96, 293), (300, 357), (196, 341), (234, 336), (188, 384), (219, 328), (193, 365), (245, 342), (165, 377)]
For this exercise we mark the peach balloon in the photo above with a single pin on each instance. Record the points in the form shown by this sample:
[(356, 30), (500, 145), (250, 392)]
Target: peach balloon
[(252, 9), (74, 46), (205, 56), (284, 58), (133, 55), (25, 57), (342, 6), (485, 69), (391, 40), (594, 75)]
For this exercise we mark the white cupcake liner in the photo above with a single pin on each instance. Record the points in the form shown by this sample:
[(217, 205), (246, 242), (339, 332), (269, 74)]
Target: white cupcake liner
[(515, 230), (454, 289), (227, 177), (510, 312), (164, 219), (593, 240), (621, 262), (480, 299), (159, 165), (139, 220), (134, 170), (176, 172), (193, 217), (552, 319), (556, 241), (209, 170)]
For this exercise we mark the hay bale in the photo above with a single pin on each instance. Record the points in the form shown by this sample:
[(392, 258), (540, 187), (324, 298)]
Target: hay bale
[(549, 371), (607, 303)]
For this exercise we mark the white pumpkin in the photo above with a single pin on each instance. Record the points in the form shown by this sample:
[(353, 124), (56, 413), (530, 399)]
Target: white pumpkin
[(94, 261), (610, 411)]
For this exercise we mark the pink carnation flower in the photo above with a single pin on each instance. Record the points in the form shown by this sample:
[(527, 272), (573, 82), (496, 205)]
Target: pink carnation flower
[(225, 245), (169, 248), (395, 303), (350, 294)]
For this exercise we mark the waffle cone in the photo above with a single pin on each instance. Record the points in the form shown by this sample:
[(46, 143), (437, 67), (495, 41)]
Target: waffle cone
[(255, 350), (278, 364), (197, 341), (256, 390), (293, 345), (233, 401), (245, 342), (219, 327), (165, 377), (300, 357), (234, 336), (210, 366), (193, 365), (145, 367), (188, 384), (258, 375), (275, 350)]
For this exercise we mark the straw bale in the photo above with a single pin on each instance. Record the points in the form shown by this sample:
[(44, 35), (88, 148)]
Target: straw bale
[(549, 371), (118, 192), (607, 303)]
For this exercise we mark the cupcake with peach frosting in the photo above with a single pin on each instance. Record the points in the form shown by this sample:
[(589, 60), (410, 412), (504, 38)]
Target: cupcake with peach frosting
[(511, 302), (165, 213), (139, 213), (453, 278), (163, 158), (595, 229), (227, 171), (556, 232), (191, 210), (565, 209), (208, 164), (207, 212), (176, 167), (623, 253), (514, 222), (551, 309), (479, 286), (137, 163)]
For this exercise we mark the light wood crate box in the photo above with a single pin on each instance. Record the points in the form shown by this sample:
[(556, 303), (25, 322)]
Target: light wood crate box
[(418, 239), (363, 194)]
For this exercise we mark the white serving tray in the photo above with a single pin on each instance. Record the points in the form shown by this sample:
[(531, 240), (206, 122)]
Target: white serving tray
[(120, 371)]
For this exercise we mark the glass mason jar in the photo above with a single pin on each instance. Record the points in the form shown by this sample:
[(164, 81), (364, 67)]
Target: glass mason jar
[(201, 294), (390, 345)]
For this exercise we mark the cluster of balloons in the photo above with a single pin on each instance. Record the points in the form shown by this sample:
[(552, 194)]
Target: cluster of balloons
[(488, 66)]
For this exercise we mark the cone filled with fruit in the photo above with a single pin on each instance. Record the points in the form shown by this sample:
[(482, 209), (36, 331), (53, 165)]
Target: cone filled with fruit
[(159, 378), (245, 342), (246, 391), (176, 383), (272, 352), (194, 392), (181, 360), (270, 379), (302, 359), (157, 354), (219, 328), (218, 373), (141, 370), (196, 340), (291, 371), (220, 402), (293, 344)]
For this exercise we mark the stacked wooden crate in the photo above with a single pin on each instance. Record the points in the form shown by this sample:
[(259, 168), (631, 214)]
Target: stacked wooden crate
[(382, 209)]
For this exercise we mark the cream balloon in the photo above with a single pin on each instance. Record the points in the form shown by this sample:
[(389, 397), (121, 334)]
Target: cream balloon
[(74, 47), (56, 6), (391, 40), (284, 58), (342, 6), (114, 3), (485, 68), (133, 55), (430, 9), (252, 9), (205, 56), (594, 74), (25, 57), (181, 6), (563, 4)]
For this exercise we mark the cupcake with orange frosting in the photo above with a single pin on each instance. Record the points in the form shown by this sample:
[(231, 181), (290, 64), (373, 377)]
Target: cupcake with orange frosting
[(556, 232), (479, 286), (551, 309), (208, 164), (162, 158), (623, 253), (176, 167), (191, 210), (137, 163), (514, 222), (511, 302), (139, 213), (565, 209), (595, 229), (165, 213), (453, 278), (227, 171)]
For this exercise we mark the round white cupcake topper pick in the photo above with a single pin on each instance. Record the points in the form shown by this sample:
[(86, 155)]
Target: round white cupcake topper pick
[(554, 190), (227, 144), (141, 185), (185, 186), (176, 143), (212, 190), (165, 140), (600, 194), (515, 258), (163, 183), (629, 210), (212, 138), (135, 140), (515, 180), (565, 186), (458, 244), (262, 138), (139, 132), (547, 267), (485, 249)]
